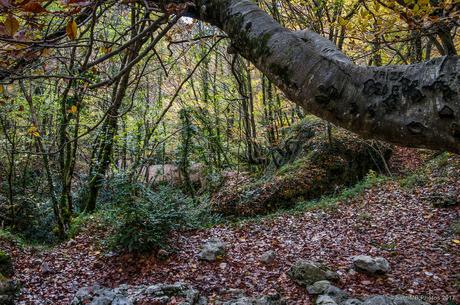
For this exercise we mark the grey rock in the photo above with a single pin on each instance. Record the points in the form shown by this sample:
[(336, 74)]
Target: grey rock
[(240, 301), (275, 299), (371, 265), (164, 292), (325, 300), (97, 295), (318, 287), (129, 295), (332, 276), (337, 294), (163, 255), (306, 273), (211, 250), (352, 302), (45, 268), (268, 257)]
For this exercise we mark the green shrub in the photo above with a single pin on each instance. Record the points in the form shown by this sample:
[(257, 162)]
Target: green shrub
[(137, 218), (6, 265), (141, 219), (414, 180), (10, 237), (4, 258)]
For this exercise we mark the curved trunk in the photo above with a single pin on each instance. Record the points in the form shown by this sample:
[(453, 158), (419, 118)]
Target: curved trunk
[(415, 105)]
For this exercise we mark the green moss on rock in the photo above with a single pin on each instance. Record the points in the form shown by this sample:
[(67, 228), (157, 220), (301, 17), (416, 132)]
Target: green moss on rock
[(322, 169)]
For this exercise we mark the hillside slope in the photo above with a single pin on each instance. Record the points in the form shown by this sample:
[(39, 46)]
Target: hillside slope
[(394, 218)]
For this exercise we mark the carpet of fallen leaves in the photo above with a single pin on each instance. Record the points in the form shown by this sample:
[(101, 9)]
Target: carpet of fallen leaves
[(387, 221)]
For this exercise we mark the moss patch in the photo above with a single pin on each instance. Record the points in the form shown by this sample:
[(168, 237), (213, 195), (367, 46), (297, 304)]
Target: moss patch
[(4, 257)]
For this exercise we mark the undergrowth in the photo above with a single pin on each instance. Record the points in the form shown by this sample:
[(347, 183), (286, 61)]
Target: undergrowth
[(139, 219), (330, 202), (420, 177), (23, 241)]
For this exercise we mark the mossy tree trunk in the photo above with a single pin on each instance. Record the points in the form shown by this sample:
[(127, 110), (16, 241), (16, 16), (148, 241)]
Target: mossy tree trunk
[(413, 105)]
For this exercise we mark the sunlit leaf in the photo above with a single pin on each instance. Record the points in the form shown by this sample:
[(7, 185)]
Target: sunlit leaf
[(71, 29), (33, 131), (73, 109)]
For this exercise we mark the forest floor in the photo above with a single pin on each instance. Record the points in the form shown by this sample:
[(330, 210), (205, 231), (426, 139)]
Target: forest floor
[(389, 219)]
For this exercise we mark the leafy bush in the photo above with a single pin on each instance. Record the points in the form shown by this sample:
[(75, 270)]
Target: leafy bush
[(142, 219), (33, 218)]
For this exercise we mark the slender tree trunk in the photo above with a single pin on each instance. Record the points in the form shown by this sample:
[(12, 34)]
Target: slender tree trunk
[(62, 225), (105, 147)]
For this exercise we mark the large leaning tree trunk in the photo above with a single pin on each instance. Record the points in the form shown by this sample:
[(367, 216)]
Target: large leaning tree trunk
[(415, 105)]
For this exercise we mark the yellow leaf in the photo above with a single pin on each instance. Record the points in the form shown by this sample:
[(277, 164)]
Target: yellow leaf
[(456, 241), (11, 25), (71, 29), (33, 130), (342, 21), (73, 109)]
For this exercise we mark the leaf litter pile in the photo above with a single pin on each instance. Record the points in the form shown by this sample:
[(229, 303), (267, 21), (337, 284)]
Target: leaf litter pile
[(389, 220)]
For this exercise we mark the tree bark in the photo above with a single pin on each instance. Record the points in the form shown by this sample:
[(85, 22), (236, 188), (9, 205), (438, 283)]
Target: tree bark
[(413, 105)]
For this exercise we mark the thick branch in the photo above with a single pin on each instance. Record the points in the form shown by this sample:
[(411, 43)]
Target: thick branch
[(415, 105)]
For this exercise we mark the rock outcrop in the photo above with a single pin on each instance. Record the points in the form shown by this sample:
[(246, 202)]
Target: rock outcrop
[(327, 294), (130, 295), (306, 273), (264, 300), (371, 265), (317, 168), (177, 293), (268, 257), (212, 250)]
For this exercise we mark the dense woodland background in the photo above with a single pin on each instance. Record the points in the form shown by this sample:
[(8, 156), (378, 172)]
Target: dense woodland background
[(174, 130)]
